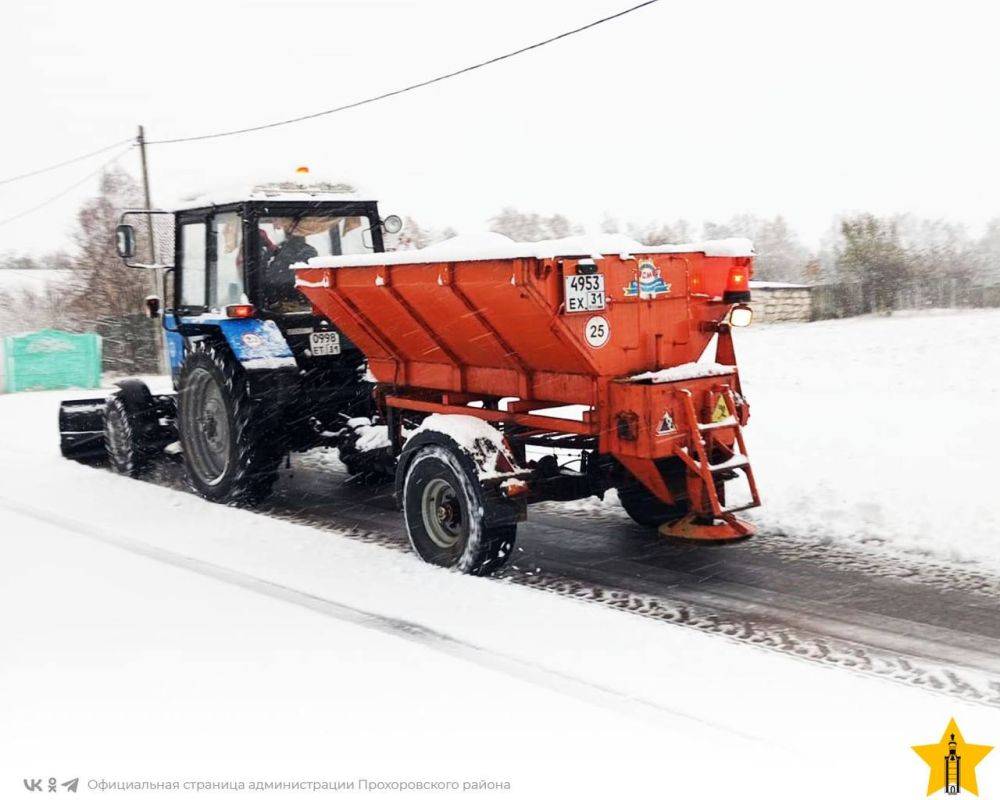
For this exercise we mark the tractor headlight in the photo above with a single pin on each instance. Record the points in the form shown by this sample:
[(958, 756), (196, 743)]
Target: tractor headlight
[(741, 316), (392, 224)]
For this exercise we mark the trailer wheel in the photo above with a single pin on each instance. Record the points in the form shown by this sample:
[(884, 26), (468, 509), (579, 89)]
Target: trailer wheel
[(444, 513), (124, 439), (227, 454), (646, 508)]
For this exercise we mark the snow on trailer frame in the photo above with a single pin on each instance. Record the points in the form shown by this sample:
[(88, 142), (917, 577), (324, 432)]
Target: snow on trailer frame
[(450, 332)]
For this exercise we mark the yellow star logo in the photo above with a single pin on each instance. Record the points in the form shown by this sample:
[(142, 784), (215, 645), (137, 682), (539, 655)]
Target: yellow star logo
[(952, 761)]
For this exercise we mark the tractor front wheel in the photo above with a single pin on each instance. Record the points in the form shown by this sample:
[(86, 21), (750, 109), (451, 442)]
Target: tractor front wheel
[(227, 453), (125, 439)]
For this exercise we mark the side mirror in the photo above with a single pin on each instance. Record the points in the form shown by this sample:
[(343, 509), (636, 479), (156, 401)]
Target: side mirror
[(125, 241), (392, 224), (153, 307)]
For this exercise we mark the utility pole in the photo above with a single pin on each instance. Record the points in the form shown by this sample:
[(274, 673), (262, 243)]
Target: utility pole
[(161, 355)]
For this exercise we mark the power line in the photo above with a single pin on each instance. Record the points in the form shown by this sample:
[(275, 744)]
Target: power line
[(411, 87), (65, 163), (68, 189)]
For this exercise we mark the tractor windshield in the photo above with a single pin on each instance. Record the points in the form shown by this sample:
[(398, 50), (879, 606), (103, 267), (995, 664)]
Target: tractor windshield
[(285, 241)]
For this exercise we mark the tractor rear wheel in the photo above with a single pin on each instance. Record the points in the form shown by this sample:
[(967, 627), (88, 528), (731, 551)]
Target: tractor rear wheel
[(646, 508), (228, 456), (445, 512)]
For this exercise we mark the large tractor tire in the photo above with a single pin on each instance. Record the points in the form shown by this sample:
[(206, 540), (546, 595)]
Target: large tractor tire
[(446, 516), (228, 455), (130, 429), (646, 509)]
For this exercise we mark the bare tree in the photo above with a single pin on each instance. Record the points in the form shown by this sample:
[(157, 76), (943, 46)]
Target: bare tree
[(106, 286), (653, 233), (414, 236), (531, 227), (109, 296), (780, 254)]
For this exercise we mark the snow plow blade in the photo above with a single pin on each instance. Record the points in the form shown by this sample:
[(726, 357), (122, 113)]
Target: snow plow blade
[(727, 528), (81, 429)]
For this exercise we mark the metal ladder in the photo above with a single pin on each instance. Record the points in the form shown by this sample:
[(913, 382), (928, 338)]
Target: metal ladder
[(701, 478)]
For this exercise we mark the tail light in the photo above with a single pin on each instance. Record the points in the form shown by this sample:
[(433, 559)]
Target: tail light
[(240, 311), (737, 284)]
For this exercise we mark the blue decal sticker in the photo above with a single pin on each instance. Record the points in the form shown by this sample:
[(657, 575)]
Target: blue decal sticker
[(648, 284)]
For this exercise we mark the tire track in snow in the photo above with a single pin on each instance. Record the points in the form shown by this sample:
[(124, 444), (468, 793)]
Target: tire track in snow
[(778, 630), (529, 672), (773, 627)]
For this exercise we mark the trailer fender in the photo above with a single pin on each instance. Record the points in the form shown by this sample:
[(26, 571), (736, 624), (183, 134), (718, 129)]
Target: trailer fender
[(499, 509)]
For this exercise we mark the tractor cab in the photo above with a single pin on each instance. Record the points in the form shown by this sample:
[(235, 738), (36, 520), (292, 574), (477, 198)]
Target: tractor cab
[(257, 375), (228, 266)]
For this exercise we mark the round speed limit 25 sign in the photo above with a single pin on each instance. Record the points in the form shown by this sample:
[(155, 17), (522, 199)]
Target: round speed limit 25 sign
[(597, 332)]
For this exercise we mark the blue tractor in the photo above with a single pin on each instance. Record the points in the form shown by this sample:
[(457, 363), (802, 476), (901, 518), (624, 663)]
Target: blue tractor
[(256, 373)]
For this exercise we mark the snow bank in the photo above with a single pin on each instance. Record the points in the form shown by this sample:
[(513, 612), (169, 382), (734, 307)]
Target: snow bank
[(878, 431), (490, 246)]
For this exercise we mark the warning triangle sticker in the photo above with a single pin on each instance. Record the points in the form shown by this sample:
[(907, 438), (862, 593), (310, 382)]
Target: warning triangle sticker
[(721, 410), (666, 424)]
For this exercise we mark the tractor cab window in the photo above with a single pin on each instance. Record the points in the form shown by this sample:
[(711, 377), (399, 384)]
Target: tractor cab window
[(193, 262), (226, 284), (285, 241)]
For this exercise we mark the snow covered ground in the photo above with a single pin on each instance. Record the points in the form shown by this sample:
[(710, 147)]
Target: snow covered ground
[(879, 430), (148, 635), (875, 431)]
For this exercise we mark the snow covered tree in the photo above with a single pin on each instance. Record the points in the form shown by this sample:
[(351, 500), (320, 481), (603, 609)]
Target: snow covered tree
[(988, 251), (780, 254), (609, 224), (653, 233), (531, 227), (872, 255), (413, 236)]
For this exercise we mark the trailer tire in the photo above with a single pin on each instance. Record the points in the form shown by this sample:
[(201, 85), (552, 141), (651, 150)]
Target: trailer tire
[(228, 455), (445, 514), (126, 439), (647, 509)]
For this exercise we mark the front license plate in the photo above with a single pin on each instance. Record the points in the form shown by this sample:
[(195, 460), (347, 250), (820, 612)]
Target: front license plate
[(324, 343), (584, 293)]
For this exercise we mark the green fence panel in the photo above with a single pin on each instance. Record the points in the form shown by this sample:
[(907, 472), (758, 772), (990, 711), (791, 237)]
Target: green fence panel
[(52, 360)]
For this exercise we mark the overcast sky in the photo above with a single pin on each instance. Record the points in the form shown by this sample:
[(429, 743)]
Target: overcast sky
[(682, 109)]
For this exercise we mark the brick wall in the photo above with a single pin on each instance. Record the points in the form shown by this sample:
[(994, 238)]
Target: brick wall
[(790, 303)]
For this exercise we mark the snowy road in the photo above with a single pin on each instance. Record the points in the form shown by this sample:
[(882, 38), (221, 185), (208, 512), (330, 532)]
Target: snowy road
[(892, 616), (146, 633)]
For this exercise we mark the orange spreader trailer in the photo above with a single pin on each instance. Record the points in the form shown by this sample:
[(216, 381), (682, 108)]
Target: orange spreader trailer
[(508, 338)]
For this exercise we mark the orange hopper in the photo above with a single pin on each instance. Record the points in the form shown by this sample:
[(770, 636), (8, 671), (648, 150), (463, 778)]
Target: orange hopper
[(618, 330)]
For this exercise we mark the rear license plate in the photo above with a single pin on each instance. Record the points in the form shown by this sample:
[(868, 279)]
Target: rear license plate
[(584, 293), (325, 343)]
